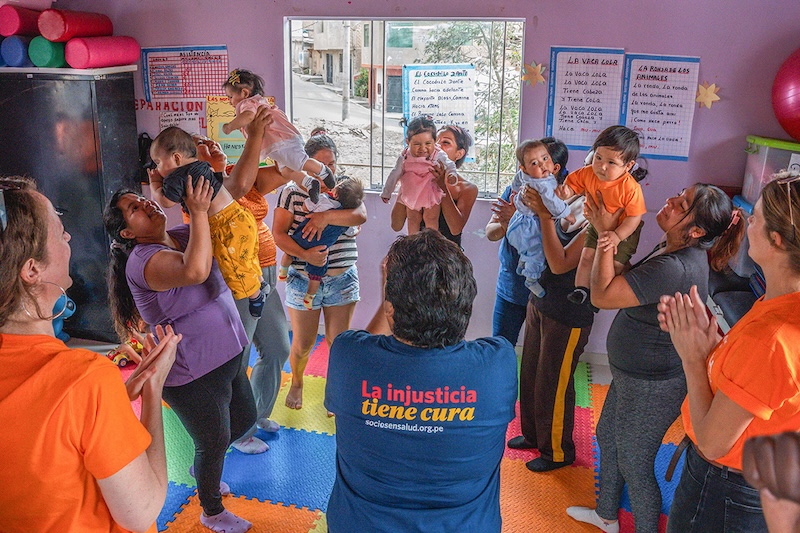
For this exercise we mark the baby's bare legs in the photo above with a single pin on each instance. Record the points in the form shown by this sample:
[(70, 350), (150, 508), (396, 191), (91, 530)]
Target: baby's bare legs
[(323, 173), (431, 216), (584, 267), (283, 271), (414, 220)]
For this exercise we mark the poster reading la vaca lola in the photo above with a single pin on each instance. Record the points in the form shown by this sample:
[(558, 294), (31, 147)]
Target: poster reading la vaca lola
[(583, 93), (659, 103)]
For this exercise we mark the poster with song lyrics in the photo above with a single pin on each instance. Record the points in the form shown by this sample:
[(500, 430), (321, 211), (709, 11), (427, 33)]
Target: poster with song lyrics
[(658, 103), (584, 93)]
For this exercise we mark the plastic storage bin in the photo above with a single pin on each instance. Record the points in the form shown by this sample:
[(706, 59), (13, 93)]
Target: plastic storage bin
[(766, 157)]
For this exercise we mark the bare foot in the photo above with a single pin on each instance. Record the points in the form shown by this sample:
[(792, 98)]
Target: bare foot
[(330, 414), (294, 398)]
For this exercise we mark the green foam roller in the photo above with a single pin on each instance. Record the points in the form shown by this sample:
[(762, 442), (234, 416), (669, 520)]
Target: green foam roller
[(44, 53)]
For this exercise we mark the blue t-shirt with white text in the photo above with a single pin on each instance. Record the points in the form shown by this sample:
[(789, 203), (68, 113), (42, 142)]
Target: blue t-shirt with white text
[(420, 433)]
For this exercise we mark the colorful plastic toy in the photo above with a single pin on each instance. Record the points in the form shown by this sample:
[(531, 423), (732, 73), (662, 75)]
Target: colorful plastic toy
[(65, 303), (124, 353)]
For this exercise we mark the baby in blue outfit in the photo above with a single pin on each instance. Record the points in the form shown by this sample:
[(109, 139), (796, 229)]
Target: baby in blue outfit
[(536, 170)]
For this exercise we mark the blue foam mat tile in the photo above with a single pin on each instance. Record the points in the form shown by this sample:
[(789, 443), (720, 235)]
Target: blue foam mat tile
[(298, 469), (287, 367), (177, 496), (663, 457)]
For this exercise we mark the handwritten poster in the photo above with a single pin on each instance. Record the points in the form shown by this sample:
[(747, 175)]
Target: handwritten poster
[(659, 103), (185, 120), (445, 92), (184, 71), (584, 93), (219, 111)]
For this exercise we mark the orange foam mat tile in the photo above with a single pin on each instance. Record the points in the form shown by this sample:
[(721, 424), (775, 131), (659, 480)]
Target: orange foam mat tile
[(265, 516), (313, 416), (599, 393), (675, 433), (538, 502)]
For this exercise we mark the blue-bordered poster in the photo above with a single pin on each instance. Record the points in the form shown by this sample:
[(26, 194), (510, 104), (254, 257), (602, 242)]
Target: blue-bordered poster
[(659, 103), (184, 71), (445, 92), (584, 93)]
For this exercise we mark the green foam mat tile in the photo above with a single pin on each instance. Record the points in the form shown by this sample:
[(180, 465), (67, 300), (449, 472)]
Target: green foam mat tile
[(582, 381)]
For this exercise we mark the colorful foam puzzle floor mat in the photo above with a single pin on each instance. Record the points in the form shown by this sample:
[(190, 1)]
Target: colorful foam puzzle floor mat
[(286, 489)]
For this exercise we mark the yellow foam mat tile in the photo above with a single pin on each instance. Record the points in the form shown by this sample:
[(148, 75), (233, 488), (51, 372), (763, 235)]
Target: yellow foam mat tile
[(265, 516), (313, 416), (538, 502), (321, 525)]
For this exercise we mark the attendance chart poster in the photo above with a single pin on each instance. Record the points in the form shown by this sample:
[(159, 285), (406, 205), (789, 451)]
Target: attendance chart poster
[(659, 103), (184, 71), (584, 93)]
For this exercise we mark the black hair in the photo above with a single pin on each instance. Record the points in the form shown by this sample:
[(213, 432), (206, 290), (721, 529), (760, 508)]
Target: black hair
[(420, 124), (240, 78), (524, 147), (320, 142), (712, 211), (319, 130), (619, 139), (124, 313), (430, 284), (173, 139), (463, 140), (349, 192), (559, 153)]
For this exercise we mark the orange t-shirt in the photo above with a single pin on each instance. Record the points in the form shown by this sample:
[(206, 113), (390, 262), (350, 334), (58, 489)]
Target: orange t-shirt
[(254, 202), (624, 192), (757, 365), (67, 421)]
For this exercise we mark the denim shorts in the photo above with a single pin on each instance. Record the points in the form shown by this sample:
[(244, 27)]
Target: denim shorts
[(333, 290)]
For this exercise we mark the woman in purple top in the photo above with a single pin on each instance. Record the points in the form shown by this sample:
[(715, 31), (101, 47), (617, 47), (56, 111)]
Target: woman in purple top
[(169, 277)]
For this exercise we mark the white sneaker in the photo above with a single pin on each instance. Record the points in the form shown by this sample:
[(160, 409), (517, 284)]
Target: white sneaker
[(251, 446), (270, 426)]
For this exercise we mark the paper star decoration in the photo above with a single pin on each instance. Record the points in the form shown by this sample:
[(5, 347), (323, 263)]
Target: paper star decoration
[(533, 73), (707, 94)]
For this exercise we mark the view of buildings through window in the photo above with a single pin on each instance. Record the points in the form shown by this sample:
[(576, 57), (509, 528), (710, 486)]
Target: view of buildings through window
[(346, 76)]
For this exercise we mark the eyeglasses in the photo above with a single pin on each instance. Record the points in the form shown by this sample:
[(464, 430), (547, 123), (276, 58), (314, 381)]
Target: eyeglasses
[(786, 181)]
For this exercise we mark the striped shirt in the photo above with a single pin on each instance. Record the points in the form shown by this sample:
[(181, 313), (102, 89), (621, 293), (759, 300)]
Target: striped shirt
[(342, 254)]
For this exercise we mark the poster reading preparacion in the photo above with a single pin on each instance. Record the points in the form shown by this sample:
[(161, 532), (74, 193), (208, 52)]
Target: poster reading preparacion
[(184, 71), (584, 93), (445, 92), (659, 103)]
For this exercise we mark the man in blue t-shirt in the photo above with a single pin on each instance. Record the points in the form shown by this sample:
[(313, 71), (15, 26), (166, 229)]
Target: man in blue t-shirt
[(421, 414)]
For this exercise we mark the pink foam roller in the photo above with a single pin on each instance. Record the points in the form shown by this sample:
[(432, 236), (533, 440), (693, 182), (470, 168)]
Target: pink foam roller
[(99, 52), (15, 20), (60, 26)]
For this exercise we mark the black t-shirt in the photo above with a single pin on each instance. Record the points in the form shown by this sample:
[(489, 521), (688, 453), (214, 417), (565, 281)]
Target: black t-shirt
[(554, 304), (174, 185), (635, 343), (444, 229)]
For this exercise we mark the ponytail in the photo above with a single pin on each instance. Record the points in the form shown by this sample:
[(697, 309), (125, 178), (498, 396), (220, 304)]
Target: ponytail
[(124, 313), (123, 309), (728, 243)]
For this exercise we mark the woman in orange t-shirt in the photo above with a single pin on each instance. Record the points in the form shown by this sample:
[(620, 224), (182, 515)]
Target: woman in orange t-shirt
[(75, 458), (744, 384)]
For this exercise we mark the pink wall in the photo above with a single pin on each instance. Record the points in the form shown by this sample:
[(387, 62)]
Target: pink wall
[(741, 45)]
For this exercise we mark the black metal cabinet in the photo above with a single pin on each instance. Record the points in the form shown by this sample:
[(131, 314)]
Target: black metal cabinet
[(75, 133)]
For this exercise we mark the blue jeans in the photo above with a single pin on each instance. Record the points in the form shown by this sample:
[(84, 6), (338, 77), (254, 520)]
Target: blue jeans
[(508, 319), (710, 499)]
